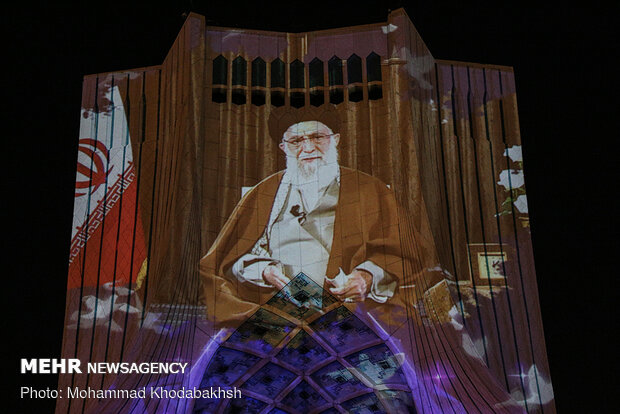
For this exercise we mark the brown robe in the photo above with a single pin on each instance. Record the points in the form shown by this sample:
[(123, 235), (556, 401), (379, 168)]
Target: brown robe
[(366, 228)]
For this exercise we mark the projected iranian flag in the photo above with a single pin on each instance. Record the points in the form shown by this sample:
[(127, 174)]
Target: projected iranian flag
[(107, 241)]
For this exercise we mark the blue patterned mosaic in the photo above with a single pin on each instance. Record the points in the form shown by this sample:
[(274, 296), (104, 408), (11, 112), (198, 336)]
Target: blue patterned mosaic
[(303, 352), (270, 380), (301, 298), (311, 360), (331, 410), (205, 406), (261, 332), (364, 404), (397, 401), (245, 405), (379, 365), (304, 398), (343, 331), (226, 367), (338, 381), (278, 411)]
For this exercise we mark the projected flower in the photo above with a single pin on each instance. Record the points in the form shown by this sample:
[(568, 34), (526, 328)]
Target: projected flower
[(513, 182), (521, 203), (514, 153), (116, 300), (511, 179)]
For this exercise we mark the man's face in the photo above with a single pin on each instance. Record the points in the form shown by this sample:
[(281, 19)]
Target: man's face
[(310, 143)]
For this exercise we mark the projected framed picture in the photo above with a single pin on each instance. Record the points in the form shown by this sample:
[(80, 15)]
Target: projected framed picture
[(488, 262)]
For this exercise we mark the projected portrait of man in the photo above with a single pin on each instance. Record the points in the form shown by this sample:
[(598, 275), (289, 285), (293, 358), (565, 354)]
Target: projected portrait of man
[(306, 270), (300, 231), (337, 226)]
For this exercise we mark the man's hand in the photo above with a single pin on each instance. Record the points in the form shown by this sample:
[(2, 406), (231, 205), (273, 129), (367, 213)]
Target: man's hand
[(273, 275), (356, 288)]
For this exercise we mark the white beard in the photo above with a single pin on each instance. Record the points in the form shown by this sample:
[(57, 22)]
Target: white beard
[(304, 172)]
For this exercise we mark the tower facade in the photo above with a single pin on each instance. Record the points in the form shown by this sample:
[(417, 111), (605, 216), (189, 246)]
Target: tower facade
[(166, 153)]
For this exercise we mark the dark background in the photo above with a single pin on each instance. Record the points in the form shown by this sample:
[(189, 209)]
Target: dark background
[(566, 92)]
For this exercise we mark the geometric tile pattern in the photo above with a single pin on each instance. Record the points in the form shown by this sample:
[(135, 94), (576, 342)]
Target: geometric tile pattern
[(270, 380), (305, 354), (338, 380), (378, 365), (343, 330), (301, 298)]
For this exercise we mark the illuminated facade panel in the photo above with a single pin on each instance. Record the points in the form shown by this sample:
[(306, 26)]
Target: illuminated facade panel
[(329, 221)]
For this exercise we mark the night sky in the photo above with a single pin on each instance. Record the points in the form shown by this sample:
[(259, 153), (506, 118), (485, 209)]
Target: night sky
[(566, 93)]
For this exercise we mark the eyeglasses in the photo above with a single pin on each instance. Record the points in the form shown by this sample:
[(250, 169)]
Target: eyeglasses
[(315, 139)]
